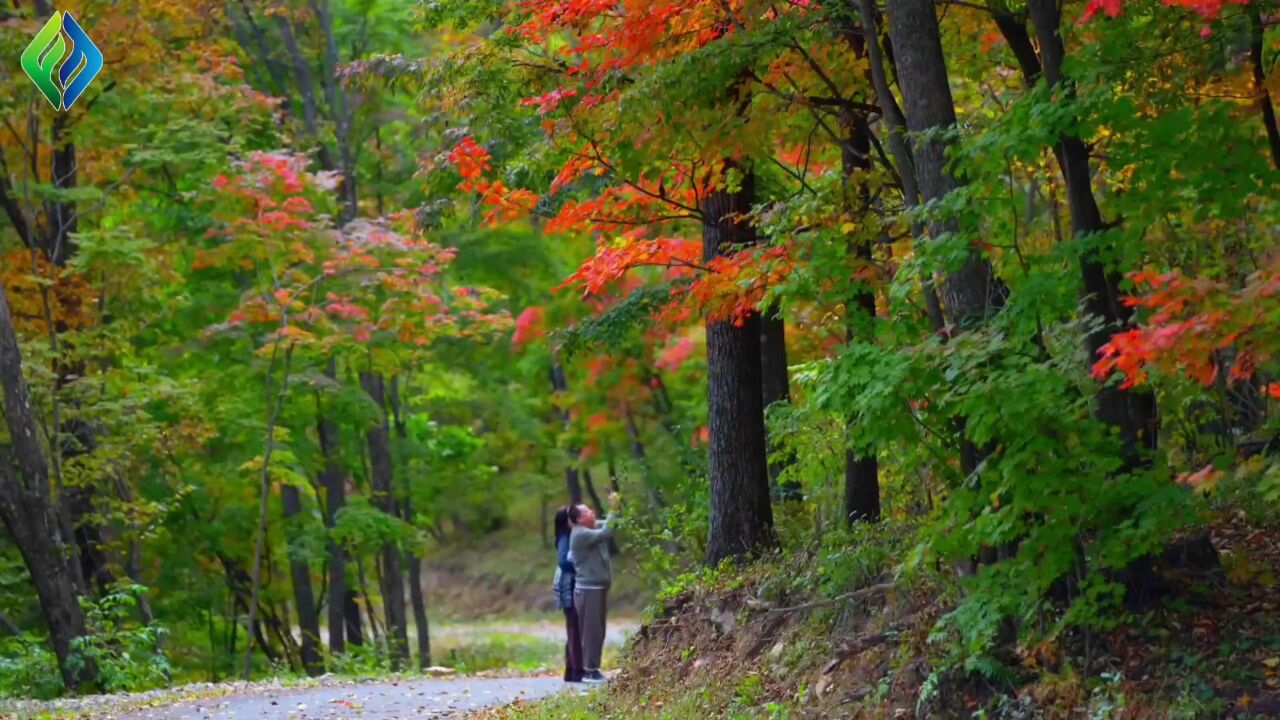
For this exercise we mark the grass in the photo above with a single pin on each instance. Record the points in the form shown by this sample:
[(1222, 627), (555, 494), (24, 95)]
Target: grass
[(499, 651)]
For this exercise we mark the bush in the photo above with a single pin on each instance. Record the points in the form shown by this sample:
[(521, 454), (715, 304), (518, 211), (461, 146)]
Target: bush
[(128, 655), (28, 669)]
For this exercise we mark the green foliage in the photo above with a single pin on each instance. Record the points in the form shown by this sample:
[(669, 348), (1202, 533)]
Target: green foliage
[(497, 652), (128, 654), (28, 668), (362, 528)]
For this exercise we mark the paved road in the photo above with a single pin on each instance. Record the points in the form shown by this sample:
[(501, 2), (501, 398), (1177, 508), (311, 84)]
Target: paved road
[(425, 699)]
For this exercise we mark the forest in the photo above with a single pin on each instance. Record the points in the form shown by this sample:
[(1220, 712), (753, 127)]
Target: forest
[(937, 340)]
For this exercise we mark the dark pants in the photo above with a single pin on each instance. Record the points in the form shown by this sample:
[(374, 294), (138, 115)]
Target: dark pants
[(593, 607), (572, 647)]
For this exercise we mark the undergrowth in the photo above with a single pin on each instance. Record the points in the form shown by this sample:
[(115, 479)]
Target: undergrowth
[(855, 624)]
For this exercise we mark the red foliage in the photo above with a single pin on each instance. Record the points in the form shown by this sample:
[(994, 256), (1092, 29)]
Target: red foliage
[(505, 204), (671, 358), (1191, 322), (529, 326), (1207, 9)]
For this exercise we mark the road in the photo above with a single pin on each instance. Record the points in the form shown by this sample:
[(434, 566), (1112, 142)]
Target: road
[(426, 699)]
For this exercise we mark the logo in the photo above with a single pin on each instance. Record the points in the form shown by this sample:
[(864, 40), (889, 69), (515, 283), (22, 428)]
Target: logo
[(62, 60)]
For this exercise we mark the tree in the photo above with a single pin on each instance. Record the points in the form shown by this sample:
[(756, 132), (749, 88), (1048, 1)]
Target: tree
[(741, 516), (27, 511)]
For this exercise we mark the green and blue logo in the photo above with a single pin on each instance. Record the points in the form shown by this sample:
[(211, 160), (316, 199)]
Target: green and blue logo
[(62, 60)]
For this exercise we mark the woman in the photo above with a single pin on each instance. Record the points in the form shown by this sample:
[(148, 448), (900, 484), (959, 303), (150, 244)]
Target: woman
[(564, 599)]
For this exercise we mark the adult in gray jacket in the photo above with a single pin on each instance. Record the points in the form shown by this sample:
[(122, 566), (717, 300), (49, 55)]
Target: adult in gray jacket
[(589, 546)]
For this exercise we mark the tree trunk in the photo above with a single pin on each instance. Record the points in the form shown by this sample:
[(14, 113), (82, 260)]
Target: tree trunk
[(274, 398), (1257, 37), (28, 514), (971, 292), (331, 477), (599, 505), (777, 388), (741, 516), (861, 468), (411, 560), (559, 385), (306, 90), (591, 493), (336, 98), (1131, 412), (417, 601), (75, 436), (351, 613), (899, 147), (133, 567), (303, 598), (392, 581)]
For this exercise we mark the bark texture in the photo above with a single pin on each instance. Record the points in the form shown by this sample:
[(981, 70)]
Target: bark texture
[(741, 516), (1132, 412), (777, 388), (392, 579), (970, 291), (861, 468), (28, 513), (303, 596), (331, 478)]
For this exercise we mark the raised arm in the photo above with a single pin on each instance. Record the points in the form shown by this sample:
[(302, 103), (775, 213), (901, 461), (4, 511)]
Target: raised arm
[(594, 536)]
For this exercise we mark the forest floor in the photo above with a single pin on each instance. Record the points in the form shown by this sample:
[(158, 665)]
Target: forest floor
[(743, 645)]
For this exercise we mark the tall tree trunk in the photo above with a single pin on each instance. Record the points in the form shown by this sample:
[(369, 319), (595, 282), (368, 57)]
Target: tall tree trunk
[(76, 436), (1131, 412), (351, 612), (417, 602), (331, 477), (28, 514), (559, 385), (861, 468), (306, 89), (970, 292), (741, 516), (274, 397), (777, 388), (392, 580), (133, 561), (591, 492), (303, 598), (1256, 52), (899, 145), (336, 98)]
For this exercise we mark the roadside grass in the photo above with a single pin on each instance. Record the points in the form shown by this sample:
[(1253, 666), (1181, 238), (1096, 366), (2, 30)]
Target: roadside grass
[(498, 651)]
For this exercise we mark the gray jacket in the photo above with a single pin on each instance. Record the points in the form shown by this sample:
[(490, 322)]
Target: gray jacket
[(590, 550)]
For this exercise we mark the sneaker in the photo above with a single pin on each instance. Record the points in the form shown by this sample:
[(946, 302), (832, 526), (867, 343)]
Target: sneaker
[(593, 676)]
